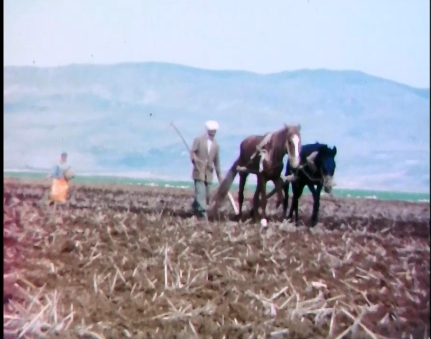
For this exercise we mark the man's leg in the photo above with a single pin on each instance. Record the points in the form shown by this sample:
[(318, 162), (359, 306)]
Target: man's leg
[(200, 198), (207, 192), (195, 204)]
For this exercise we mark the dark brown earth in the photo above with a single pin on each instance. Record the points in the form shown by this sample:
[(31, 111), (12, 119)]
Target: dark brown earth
[(129, 262)]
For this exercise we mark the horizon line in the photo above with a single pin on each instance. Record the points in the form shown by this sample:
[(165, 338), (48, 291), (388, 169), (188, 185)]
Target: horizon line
[(214, 70), (130, 175)]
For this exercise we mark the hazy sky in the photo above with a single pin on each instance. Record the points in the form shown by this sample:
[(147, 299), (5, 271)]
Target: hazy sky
[(388, 38)]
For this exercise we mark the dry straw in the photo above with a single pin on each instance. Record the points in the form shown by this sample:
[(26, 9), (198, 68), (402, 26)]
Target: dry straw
[(100, 269)]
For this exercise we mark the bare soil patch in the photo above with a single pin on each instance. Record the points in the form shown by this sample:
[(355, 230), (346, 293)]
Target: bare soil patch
[(129, 262)]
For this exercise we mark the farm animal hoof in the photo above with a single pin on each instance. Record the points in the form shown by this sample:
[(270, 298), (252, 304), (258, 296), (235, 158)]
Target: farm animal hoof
[(288, 226), (263, 222)]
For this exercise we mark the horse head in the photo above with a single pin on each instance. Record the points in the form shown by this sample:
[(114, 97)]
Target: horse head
[(293, 143), (324, 161)]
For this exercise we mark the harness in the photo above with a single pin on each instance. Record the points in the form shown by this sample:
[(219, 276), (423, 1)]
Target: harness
[(262, 152), (264, 155), (320, 180), (303, 170)]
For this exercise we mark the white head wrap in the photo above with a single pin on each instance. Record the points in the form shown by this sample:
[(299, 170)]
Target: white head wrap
[(211, 125)]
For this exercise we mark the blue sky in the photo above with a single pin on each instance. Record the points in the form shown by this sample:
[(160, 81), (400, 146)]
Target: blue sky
[(387, 38)]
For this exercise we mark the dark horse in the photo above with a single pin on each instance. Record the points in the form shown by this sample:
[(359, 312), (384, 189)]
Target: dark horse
[(318, 169), (262, 155)]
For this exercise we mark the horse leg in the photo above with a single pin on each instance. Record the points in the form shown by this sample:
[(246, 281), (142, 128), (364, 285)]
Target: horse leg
[(299, 188), (286, 199), (254, 211), (286, 185), (292, 205), (262, 189), (316, 203), (278, 184), (242, 181), (255, 208)]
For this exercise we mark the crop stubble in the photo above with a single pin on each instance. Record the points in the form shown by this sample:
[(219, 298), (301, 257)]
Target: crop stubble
[(123, 261)]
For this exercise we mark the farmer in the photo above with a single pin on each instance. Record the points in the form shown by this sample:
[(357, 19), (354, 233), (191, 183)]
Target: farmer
[(60, 183), (205, 157)]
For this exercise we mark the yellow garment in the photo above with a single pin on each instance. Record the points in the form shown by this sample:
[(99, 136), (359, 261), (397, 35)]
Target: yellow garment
[(59, 190)]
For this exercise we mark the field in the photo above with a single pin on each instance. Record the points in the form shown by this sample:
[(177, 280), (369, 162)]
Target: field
[(129, 262)]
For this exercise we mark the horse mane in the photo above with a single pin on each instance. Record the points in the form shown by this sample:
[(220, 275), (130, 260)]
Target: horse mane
[(324, 149), (316, 147), (277, 143), (279, 137)]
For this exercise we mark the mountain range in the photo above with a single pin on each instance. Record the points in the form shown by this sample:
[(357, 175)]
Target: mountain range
[(115, 118)]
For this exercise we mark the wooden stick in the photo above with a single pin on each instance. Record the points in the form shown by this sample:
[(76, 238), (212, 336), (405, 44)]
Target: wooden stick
[(232, 201)]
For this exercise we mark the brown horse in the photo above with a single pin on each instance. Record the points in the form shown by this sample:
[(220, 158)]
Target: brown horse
[(262, 155)]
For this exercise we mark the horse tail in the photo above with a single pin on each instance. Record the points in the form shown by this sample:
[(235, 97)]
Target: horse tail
[(225, 185)]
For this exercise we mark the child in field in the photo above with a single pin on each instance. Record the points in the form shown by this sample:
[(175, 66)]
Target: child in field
[(60, 182)]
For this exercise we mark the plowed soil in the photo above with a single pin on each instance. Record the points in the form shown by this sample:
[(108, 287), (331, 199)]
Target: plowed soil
[(131, 262)]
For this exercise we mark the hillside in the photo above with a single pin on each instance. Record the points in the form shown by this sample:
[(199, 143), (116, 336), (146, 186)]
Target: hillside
[(116, 118)]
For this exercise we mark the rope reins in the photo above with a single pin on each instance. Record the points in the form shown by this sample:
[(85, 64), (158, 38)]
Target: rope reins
[(320, 180), (302, 169)]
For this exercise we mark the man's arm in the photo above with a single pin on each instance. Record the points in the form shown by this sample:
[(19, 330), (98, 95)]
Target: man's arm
[(194, 150)]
